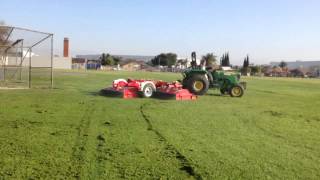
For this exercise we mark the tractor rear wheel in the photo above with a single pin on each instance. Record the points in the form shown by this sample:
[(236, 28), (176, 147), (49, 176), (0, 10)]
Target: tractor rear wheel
[(198, 84), (236, 91)]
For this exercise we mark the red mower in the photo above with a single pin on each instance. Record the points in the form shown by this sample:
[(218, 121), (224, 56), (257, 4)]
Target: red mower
[(148, 88)]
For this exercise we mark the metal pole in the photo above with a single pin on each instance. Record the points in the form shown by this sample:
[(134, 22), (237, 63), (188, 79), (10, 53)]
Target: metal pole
[(16, 56), (51, 61), (8, 35), (21, 58), (43, 39), (30, 53), (4, 68)]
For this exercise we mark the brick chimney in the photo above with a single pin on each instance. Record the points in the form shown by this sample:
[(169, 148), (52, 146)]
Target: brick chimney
[(66, 47)]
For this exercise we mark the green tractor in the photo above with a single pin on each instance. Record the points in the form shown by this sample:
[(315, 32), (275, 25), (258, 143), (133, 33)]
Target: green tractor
[(198, 79)]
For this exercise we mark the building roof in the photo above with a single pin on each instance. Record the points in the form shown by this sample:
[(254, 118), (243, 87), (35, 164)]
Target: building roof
[(78, 60)]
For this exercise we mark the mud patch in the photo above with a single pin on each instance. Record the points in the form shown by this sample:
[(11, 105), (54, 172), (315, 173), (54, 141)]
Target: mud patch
[(274, 113), (41, 111), (35, 122), (107, 123), (101, 138), (317, 119), (266, 91)]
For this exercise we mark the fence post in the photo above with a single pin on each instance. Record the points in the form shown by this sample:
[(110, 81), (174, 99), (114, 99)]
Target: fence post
[(30, 54), (51, 61)]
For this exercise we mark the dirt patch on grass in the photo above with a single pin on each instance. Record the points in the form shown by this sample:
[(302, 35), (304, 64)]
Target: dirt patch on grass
[(274, 113)]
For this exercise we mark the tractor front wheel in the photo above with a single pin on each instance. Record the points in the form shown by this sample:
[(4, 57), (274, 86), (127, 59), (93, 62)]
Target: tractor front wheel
[(198, 84), (236, 91)]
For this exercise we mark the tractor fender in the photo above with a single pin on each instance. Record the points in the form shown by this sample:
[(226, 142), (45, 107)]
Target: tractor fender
[(210, 77), (142, 85)]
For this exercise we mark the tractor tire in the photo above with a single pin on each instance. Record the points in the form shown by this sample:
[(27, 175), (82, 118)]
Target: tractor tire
[(236, 91), (148, 91), (198, 85)]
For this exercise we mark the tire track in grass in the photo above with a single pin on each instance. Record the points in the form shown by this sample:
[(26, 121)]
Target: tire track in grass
[(79, 149), (186, 165), (102, 156)]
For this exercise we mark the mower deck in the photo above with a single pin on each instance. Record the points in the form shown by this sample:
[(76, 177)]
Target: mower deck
[(129, 89)]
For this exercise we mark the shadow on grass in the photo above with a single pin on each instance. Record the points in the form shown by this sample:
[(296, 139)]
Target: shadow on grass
[(218, 95), (104, 94), (119, 95)]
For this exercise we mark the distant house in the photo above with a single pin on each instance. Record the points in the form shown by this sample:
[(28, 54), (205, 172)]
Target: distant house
[(82, 63), (132, 65), (93, 64), (79, 63), (314, 73), (275, 71), (298, 72)]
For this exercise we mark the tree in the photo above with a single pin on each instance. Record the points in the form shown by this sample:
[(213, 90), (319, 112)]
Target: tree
[(225, 61), (3, 33), (255, 69), (210, 59), (228, 60), (103, 59), (117, 60), (246, 62), (283, 64), (109, 60), (245, 68), (172, 59), (182, 62), (164, 59)]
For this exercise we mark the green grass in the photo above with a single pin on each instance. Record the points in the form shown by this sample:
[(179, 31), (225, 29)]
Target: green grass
[(71, 132)]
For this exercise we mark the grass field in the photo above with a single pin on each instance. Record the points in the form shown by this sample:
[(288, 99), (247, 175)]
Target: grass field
[(72, 132)]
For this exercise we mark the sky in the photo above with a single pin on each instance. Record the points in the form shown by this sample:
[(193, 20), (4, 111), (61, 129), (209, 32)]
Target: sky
[(269, 30)]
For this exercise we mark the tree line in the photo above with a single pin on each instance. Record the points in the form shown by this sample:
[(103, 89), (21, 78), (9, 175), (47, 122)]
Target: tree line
[(170, 59), (109, 60), (209, 59)]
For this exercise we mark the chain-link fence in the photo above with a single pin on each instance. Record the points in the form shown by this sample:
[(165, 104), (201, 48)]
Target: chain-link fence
[(26, 58)]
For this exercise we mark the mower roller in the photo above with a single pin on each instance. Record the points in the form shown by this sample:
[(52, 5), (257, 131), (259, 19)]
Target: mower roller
[(129, 89)]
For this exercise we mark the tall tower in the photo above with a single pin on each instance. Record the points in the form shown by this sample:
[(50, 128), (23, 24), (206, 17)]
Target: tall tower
[(66, 47)]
